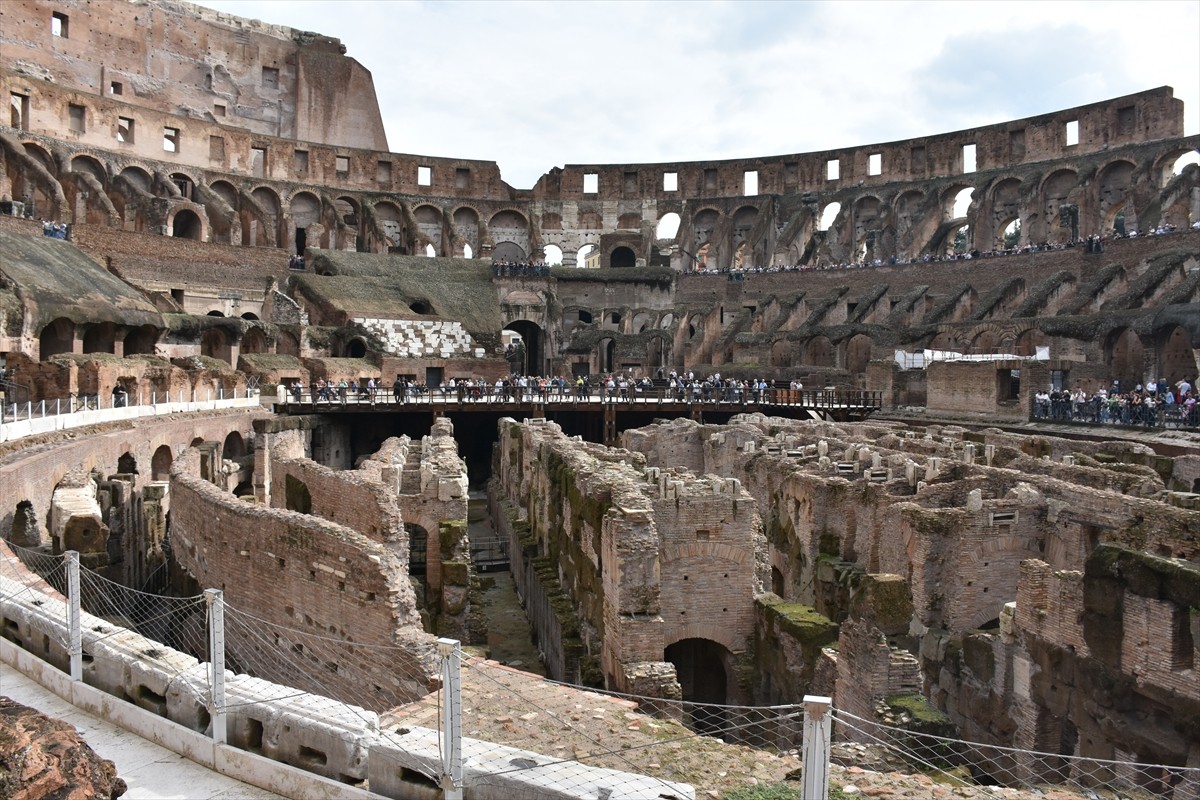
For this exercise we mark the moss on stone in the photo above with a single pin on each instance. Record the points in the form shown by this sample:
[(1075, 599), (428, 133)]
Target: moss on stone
[(456, 573), (801, 622), (917, 707)]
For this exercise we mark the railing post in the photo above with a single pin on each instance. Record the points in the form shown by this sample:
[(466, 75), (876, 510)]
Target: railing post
[(215, 600), (815, 764), (451, 718), (74, 626)]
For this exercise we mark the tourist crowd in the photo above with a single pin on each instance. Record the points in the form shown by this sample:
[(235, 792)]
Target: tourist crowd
[(1155, 404), (1092, 244), (612, 387), (55, 230), (514, 269)]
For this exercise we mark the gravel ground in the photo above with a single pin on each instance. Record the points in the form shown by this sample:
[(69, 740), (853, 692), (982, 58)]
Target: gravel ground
[(508, 706)]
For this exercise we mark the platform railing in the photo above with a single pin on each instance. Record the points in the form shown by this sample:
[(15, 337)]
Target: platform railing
[(18, 420)]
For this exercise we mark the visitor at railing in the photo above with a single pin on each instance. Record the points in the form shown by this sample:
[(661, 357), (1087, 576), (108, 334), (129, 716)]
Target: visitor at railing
[(617, 387), (526, 269), (1157, 404), (1092, 244)]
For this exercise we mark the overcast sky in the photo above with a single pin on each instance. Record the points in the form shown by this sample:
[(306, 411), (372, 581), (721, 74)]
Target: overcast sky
[(534, 85)]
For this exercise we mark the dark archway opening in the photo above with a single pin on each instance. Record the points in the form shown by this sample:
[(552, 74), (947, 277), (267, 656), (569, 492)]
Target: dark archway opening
[(532, 340), (186, 226), (141, 341), (622, 257), (127, 464), (301, 241), (700, 667), (160, 463), (25, 529), (356, 348), (57, 337)]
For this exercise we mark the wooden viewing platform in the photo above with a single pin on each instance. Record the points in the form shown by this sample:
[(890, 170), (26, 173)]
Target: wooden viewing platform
[(838, 405)]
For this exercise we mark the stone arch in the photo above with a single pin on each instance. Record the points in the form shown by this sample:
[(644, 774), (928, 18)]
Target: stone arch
[(57, 337), (186, 185), (137, 177), (704, 222), (1056, 191), (583, 253), (466, 230), (160, 463), (956, 201), (287, 344), (1114, 183), (702, 668), (668, 226), (606, 354), (296, 495), (945, 340), (508, 251), (234, 446), (356, 347), (304, 209), (99, 338), (819, 352), (621, 257), (1005, 201), (828, 216), (658, 348), (226, 191), (184, 223), (1174, 358), (867, 213), (347, 213), (90, 165), (26, 530), (743, 224), (141, 341), (984, 341), (510, 225), (127, 464), (429, 224), (215, 344), (534, 340), (262, 219), (391, 226), (1124, 355), (1028, 341), (254, 340), (1172, 162), (858, 354), (590, 221), (782, 353), (42, 156)]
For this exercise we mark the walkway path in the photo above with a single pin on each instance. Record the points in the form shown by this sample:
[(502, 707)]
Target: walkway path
[(151, 772)]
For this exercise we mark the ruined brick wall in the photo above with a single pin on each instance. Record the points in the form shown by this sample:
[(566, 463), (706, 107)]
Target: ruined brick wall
[(161, 263), (647, 559), (34, 467), (212, 66), (344, 497), (305, 573)]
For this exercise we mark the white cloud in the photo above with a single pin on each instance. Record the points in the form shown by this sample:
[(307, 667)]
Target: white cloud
[(533, 85)]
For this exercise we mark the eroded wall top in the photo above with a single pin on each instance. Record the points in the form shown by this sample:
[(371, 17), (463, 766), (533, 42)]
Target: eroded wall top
[(182, 59)]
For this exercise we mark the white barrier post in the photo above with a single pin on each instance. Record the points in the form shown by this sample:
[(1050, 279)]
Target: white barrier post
[(452, 778), (817, 724), (74, 627), (215, 600)]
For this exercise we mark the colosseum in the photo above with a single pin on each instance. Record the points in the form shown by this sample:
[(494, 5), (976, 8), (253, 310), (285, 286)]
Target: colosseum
[(908, 425)]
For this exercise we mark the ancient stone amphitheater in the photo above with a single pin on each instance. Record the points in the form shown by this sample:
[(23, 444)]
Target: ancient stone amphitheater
[(199, 212)]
